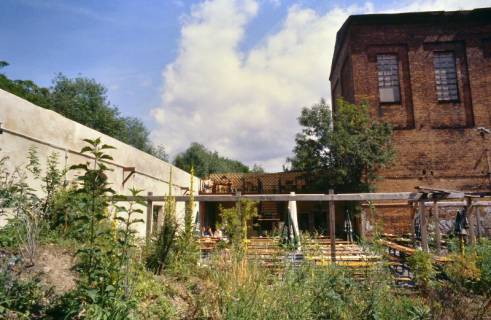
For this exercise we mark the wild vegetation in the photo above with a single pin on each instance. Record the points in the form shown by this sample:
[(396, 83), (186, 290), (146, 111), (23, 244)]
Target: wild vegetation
[(119, 277), (116, 275)]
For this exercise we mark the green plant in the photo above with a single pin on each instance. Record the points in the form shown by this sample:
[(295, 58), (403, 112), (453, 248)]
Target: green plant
[(25, 207), (421, 264), (125, 238), (102, 290), (162, 244), (153, 297), (51, 183), (187, 249), (236, 221), (21, 298)]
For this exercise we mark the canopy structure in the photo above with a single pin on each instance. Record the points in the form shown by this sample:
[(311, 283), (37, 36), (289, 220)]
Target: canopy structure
[(420, 200)]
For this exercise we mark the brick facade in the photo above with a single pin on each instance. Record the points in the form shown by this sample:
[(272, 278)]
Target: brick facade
[(437, 142)]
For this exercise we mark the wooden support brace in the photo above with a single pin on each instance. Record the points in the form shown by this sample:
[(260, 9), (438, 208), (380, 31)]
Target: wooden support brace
[(131, 171), (332, 228)]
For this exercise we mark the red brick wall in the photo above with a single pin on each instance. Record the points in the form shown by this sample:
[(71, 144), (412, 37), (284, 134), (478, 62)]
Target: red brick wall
[(436, 143)]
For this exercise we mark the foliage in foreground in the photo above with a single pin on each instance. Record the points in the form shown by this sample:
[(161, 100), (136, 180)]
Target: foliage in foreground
[(236, 289), (236, 222), (114, 284)]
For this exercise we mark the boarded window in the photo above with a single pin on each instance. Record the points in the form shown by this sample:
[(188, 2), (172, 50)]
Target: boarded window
[(388, 78), (445, 76)]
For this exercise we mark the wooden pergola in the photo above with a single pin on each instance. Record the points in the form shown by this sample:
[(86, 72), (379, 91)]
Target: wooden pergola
[(425, 197)]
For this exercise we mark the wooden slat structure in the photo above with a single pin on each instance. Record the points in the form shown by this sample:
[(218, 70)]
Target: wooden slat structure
[(408, 196), (425, 197)]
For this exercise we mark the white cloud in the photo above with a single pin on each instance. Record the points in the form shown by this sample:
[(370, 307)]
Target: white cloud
[(245, 104), (435, 5)]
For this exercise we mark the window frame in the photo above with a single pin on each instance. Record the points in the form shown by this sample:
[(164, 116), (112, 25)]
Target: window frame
[(457, 99), (398, 75)]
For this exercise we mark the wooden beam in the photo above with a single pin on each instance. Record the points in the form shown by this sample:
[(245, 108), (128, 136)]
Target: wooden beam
[(436, 222), (409, 196), (149, 215), (442, 204), (332, 227), (424, 226)]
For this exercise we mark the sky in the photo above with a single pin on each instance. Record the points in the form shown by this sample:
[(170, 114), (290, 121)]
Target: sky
[(230, 74)]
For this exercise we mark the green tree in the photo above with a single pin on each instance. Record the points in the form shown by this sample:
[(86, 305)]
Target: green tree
[(85, 101), (257, 168), (26, 89), (344, 150), (206, 162)]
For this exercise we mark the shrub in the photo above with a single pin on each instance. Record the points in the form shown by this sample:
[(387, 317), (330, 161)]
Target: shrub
[(20, 298), (421, 265), (161, 246), (236, 221), (103, 289)]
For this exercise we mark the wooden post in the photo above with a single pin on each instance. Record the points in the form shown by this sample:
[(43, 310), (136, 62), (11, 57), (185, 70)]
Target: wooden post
[(436, 221), (424, 226), (413, 226), (292, 212), (238, 206), (149, 216), (332, 227), (478, 222), (470, 212), (311, 222), (363, 223), (160, 218)]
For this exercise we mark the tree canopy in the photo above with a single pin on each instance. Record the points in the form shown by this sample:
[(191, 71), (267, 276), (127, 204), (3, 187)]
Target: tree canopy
[(85, 101), (26, 89), (206, 162), (344, 150)]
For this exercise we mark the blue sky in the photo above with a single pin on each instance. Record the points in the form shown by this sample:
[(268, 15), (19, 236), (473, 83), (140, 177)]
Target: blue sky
[(122, 44), (150, 56)]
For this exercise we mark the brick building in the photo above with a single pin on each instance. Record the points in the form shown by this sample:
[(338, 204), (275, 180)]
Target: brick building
[(429, 75)]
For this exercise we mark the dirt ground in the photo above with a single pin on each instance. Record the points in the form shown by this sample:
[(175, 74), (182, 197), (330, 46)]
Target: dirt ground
[(53, 264)]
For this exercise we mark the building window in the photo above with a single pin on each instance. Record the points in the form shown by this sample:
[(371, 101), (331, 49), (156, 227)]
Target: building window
[(388, 78), (446, 76)]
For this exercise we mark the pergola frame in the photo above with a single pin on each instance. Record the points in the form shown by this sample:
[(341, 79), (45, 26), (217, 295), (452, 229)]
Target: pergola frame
[(412, 197)]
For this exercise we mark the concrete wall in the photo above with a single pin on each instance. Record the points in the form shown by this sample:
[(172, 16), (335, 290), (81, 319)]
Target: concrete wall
[(25, 124)]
